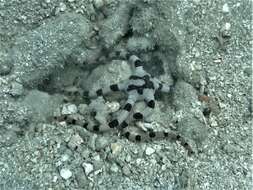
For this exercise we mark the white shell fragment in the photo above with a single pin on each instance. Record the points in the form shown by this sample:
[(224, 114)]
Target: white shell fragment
[(68, 109), (113, 106), (149, 151), (116, 148), (225, 8), (65, 173), (88, 168)]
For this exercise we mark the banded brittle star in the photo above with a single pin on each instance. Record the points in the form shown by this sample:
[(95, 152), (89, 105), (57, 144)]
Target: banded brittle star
[(140, 86)]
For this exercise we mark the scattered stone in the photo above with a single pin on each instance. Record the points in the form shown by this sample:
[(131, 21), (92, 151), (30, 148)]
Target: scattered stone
[(55, 178), (149, 151), (227, 26), (68, 109), (88, 168), (65, 157), (113, 106), (116, 148), (114, 168), (225, 8), (65, 173), (16, 89), (75, 142)]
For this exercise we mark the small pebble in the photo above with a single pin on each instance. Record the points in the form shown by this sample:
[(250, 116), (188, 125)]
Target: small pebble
[(139, 161), (114, 168), (116, 148), (225, 8), (64, 157), (69, 109), (113, 106), (149, 151), (62, 7), (227, 26), (88, 168), (65, 173), (55, 178)]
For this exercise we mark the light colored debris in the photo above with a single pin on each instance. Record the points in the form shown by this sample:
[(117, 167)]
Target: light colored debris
[(149, 151), (65, 173), (68, 109), (114, 168), (88, 168), (113, 106), (65, 157), (225, 8), (116, 148)]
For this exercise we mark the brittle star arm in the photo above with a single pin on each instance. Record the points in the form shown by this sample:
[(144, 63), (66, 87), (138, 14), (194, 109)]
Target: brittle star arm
[(108, 89), (160, 86), (150, 105), (132, 98)]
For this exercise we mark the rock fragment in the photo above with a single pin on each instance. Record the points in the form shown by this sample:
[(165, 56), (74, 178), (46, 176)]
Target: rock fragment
[(88, 168), (69, 109), (149, 151), (65, 173)]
